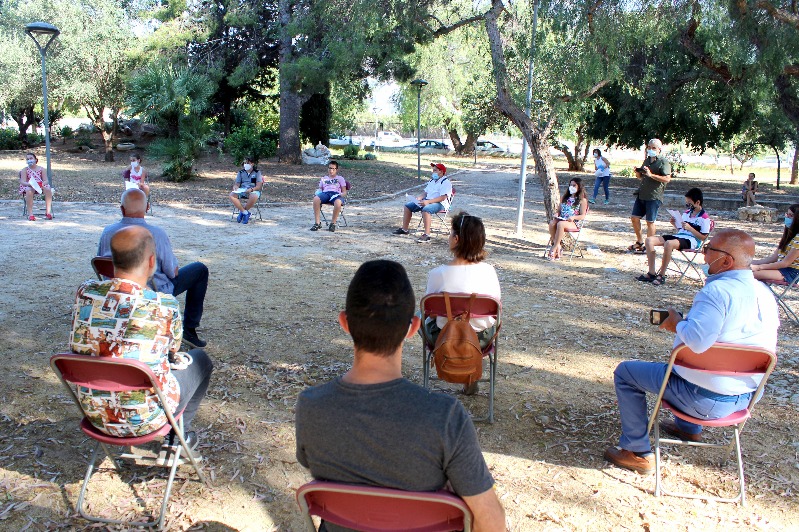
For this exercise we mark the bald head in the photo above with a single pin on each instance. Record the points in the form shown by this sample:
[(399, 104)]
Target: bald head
[(131, 249), (738, 244), (134, 203)]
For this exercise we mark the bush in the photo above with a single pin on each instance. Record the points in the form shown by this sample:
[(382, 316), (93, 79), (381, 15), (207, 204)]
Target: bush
[(351, 151), (370, 157), (34, 139), (180, 152), (9, 140), (624, 172), (247, 141), (84, 138), (67, 132)]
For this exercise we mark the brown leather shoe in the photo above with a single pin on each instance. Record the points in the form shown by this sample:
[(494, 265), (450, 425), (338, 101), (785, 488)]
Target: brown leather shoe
[(629, 460), (670, 427)]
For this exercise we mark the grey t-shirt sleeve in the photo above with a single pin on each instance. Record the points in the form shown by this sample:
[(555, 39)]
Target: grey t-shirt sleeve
[(464, 465), (299, 428)]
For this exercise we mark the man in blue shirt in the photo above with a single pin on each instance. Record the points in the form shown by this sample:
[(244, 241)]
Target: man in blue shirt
[(168, 278), (733, 308)]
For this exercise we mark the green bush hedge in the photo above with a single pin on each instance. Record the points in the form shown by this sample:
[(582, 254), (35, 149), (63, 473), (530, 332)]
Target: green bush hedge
[(247, 141), (9, 139), (351, 151)]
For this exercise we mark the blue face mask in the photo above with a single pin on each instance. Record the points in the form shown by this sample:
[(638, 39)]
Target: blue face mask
[(651, 153), (788, 222)]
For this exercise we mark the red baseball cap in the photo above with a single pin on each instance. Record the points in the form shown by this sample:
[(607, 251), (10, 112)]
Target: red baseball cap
[(441, 168)]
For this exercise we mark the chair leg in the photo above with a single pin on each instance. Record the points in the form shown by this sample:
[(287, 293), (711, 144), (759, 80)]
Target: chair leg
[(324, 218), (492, 376), (742, 494), (425, 364), (657, 458), (343, 218)]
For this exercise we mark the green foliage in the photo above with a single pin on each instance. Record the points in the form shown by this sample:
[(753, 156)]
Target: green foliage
[(351, 151), (83, 138), (248, 141), (180, 152), (9, 140), (66, 132), (674, 156), (34, 139)]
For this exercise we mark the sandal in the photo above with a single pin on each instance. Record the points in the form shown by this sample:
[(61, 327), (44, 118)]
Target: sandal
[(659, 280), (638, 247), (48, 216), (32, 218), (646, 278)]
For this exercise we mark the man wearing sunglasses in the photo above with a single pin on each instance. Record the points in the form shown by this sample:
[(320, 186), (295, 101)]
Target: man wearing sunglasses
[(733, 307)]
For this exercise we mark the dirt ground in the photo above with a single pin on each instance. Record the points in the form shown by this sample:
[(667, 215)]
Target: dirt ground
[(270, 320)]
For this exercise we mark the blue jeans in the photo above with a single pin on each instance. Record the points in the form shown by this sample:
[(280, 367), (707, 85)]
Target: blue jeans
[(430, 209), (605, 182), (192, 279), (193, 383), (633, 378)]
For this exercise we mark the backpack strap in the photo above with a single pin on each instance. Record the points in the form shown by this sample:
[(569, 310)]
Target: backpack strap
[(449, 307)]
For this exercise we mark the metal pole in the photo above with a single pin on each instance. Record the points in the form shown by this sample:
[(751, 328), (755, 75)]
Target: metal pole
[(418, 132), (523, 172), (46, 120)]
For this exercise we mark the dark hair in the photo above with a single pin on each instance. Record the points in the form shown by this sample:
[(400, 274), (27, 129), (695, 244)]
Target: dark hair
[(580, 190), (597, 150), (695, 194), (135, 156), (380, 305), (131, 257), (32, 155), (789, 233), (471, 237), (751, 174), (333, 161)]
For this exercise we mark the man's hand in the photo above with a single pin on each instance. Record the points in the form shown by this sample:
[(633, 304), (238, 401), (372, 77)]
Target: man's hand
[(645, 171), (670, 324), (423, 203)]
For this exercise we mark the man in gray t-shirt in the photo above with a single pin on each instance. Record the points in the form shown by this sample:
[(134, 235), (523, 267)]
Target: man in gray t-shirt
[(373, 427)]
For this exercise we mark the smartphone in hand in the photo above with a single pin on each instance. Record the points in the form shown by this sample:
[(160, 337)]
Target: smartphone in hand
[(657, 316)]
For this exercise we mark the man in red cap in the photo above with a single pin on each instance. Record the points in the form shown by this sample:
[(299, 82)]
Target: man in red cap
[(435, 198)]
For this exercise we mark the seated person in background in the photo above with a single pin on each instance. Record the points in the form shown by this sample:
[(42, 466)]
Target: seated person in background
[(572, 210), (332, 191), (733, 308), (168, 279), (749, 190), (136, 174), (466, 273), (35, 174), (407, 438), (123, 318), (693, 229), (248, 185), (435, 198), (783, 264)]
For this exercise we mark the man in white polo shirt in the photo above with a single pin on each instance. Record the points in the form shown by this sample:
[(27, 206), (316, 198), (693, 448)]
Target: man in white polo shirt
[(435, 198)]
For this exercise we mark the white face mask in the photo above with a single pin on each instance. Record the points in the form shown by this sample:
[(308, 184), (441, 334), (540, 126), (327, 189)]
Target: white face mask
[(134, 164), (31, 162), (572, 189), (248, 167), (651, 153), (596, 156)]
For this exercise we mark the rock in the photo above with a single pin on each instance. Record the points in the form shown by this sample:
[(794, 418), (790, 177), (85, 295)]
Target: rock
[(757, 213), (149, 130)]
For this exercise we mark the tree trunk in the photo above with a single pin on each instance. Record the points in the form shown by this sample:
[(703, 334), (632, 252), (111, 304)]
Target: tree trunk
[(24, 118), (537, 137), (795, 165), (288, 149), (469, 145), (567, 153), (456, 141)]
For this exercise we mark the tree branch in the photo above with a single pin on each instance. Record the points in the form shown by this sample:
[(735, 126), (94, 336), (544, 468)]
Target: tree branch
[(779, 14), (586, 94), (697, 50), (443, 29)]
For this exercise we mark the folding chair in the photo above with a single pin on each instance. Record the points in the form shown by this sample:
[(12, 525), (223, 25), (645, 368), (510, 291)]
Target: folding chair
[(116, 375), (373, 509), (441, 215), (721, 359), (103, 267), (257, 209), (689, 257), (781, 294), (341, 216), (39, 196), (577, 247), (433, 305)]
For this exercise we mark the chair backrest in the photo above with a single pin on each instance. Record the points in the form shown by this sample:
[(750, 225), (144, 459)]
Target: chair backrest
[(103, 373), (373, 509), (103, 267), (726, 359), (483, 306)]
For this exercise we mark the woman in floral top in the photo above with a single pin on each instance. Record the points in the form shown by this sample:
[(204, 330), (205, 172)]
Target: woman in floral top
[(573, 207), (33, 180)]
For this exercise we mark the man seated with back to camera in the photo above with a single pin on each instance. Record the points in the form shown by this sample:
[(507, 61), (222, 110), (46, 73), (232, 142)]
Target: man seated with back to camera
[(168, 278), (122, 318), (407, 437), (733, 308)]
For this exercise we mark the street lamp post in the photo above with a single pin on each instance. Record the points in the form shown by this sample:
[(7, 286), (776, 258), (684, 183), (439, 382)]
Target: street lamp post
[(418, 83), (44, 31)]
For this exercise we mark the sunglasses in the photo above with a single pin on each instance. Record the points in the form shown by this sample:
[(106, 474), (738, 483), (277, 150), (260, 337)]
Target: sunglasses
[(707, 247)]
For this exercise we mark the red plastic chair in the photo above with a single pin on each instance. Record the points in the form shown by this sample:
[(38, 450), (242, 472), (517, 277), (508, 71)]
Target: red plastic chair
[(689, 257), (719, 359), (433, 305), (119, 374), (372, 509), (103, 267)]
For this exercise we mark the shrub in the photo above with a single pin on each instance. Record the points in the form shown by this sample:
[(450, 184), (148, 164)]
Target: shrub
[(84, 138), (9, 140), (624, 172), (67, 132), (247, 141), (370, 157), (351, 151), (179, 153), (34, 139)]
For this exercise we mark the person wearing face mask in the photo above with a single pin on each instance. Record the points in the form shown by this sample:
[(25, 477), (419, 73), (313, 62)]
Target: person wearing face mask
[(693, 228), (572, 211), (733, 307), (247, 186), (783, 264), (32, 181), (435, 198), (654, 174), (135, 173), (602, 166)]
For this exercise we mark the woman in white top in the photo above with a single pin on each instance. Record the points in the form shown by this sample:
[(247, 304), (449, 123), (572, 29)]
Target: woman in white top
[(602, 166), (466, 273), (136, 174)]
